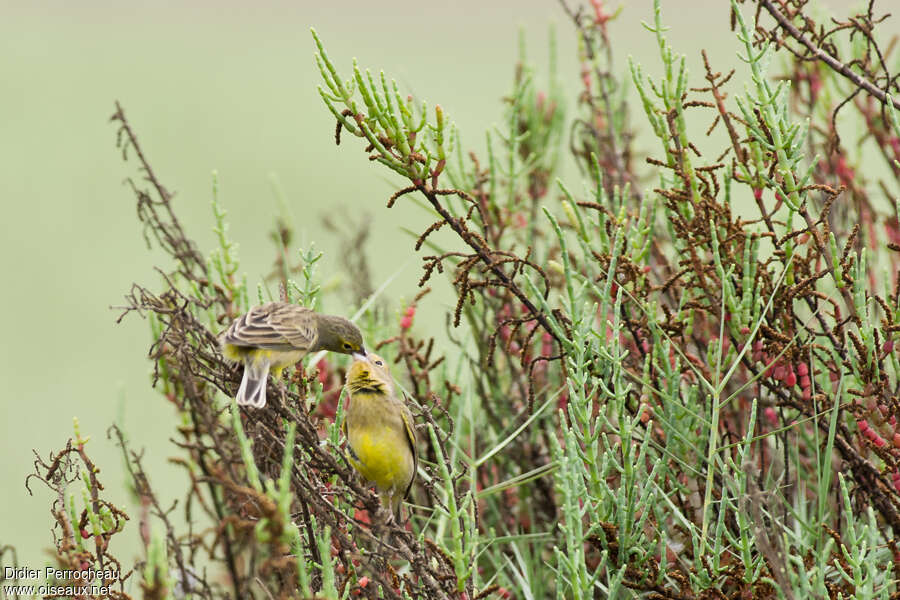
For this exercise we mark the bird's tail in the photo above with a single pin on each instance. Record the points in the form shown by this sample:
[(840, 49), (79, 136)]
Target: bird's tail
[(253, 386)]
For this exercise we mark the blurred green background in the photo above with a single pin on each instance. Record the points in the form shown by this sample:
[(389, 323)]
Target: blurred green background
[(227, 86)]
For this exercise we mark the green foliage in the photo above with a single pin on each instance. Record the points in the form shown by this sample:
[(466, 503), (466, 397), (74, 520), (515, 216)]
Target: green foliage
[(687, 391)]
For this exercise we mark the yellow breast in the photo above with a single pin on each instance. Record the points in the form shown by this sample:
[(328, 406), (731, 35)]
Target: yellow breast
[(379, 443)]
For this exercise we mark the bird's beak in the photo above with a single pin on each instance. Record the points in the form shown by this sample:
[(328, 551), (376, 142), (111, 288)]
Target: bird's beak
[(361, 355)]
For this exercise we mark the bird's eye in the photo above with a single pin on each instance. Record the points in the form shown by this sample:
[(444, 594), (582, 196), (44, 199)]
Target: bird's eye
[(379, 363), (347, 346)]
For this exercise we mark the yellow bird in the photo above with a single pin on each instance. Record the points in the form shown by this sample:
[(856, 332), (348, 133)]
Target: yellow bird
[(276, 335), (380, 433)]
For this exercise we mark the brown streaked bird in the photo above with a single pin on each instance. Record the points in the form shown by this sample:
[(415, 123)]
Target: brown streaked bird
[(276, 335), (381, 436)]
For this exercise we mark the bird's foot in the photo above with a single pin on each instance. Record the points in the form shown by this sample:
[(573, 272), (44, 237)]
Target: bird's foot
[(384, 516)]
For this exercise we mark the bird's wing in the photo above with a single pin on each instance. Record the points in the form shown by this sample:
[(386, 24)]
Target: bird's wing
[(296, 324), (411, 440), (274, 326)]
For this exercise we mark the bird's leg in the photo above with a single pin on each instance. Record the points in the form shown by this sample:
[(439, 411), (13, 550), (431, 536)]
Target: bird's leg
[(382, 520), (282, 391), (387, 502), (382, 516), (385, 521)]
